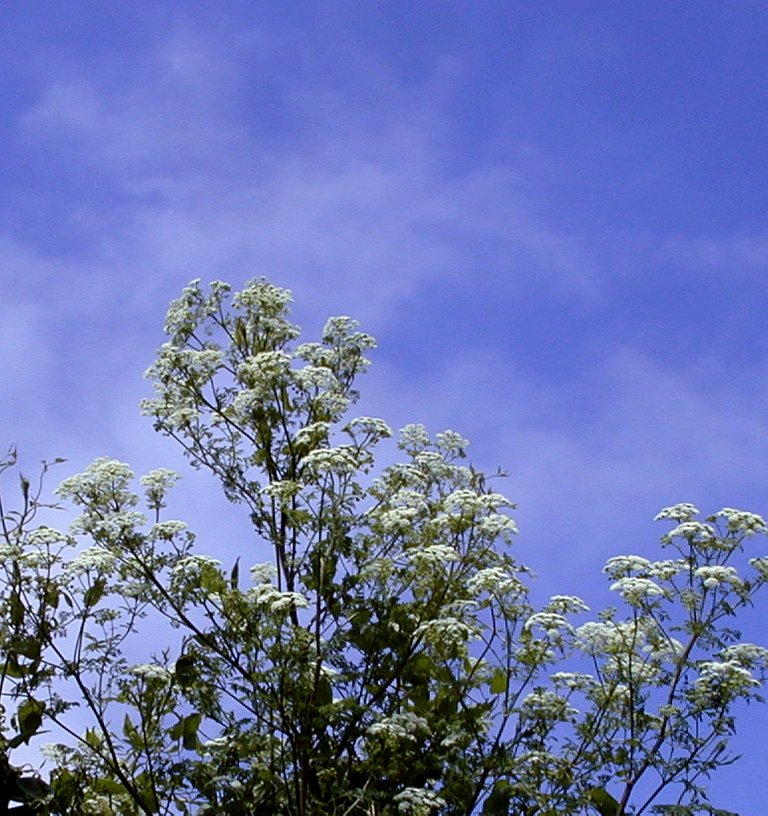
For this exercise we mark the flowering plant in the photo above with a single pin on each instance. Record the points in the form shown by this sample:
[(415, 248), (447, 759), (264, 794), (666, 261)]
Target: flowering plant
[(381, 655)]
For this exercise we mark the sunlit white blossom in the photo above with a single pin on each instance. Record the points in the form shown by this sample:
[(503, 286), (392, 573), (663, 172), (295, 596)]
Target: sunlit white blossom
[(678, 512), (94, 558), (151, 672), (434, 555), (418, 801), (403, 726), (621, 565), (636, 590), (740, 520), (714, 575)]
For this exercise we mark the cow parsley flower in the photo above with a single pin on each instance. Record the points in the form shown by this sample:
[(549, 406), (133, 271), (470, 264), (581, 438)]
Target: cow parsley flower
[(151, 672), (403, 726), (622, 565), (418, 801), (692, 530), (637, 590), (678, 512), (739, 520), (715, 575), (436, 555), (94, 558)]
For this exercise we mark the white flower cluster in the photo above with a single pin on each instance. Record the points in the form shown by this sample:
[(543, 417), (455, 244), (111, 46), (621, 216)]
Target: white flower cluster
[(696, 531), (341, 460), (760, 565), (434, 556), (741, 521), (552, 624), (720, 682), (270, 596), (263, 573), (678, 512), (746, 654), (94, 558), (451, 443), (716, 575), (566, 604), (403, 726), (156, 484), (105, 482), (372, 427), (151, 672), (543, 704), (168, 529), (448, 631), (622, 565), (45, 537), (495, 580), (637, 591), (418, 801), (413, 437), (573, 681)]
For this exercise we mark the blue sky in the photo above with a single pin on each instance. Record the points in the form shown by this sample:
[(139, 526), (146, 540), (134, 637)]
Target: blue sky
[(552, 216)]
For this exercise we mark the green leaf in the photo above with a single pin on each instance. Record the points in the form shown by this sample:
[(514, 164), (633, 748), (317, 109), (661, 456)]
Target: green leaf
[(29, 718), (175, 732), (603, 802), (17, 610), (234, 576), (13, 669), (499, 681), (497, 803), (33, 790), (95, 592), (324, 694), (92, 739), (185, 670), (26, 647), (189, 730)]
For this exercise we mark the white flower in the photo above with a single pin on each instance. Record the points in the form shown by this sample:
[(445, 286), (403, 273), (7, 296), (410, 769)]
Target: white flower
[(761, 565), (263, 573), (495, 580), (418, 801), (445, 631), (678, 512), (436, 555), (168, 529), (398, 520), (151, 672), (544, 704), (413, 437), (157, 483), (45, 536), (552, 624), (739, 520), (573, 681), (277, 601), (719, 683), (746, 654), (715, 575), (339, 460), (695, 530), (636, 590), (496, 526), (370, 426), (621, 565), (566, 603), (451, 442), (94, 558), (403, 726), (668, 569)]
